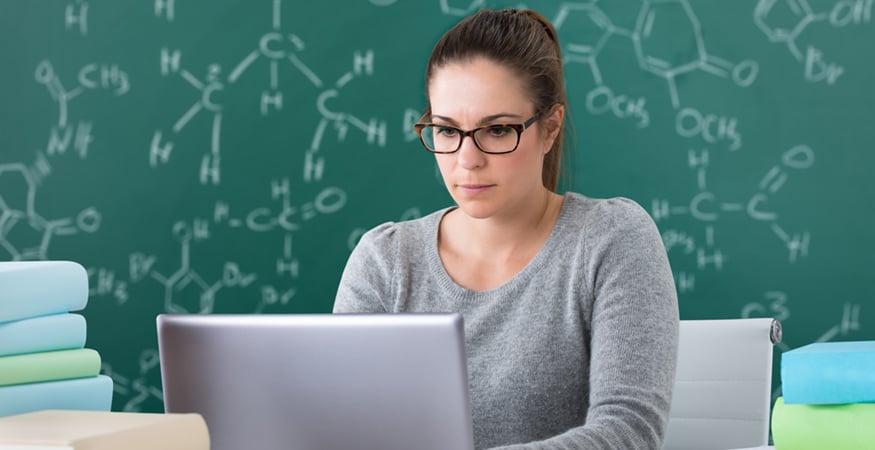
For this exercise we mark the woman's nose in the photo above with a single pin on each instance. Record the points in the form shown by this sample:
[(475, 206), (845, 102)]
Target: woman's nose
[(469, 156)]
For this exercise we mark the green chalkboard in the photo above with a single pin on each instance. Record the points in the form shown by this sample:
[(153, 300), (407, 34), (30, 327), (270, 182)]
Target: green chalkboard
[(225, 156)]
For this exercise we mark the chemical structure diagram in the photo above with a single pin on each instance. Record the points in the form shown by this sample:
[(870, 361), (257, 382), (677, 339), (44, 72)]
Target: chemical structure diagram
[(784, 21), (774, 304), (90, 77), (707, 208), (138, 390), (210, 163), (104, 282), (24, 233), (287, 219), (656, 21), (186, 278), (76, 17), (275, 46)]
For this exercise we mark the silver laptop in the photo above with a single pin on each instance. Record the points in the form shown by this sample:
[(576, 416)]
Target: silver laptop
[(320, 381)]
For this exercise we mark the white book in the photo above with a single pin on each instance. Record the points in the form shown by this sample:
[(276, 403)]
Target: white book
[(99, 430)]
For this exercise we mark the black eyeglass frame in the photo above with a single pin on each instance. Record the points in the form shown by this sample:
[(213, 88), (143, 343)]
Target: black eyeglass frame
[(518, 127)]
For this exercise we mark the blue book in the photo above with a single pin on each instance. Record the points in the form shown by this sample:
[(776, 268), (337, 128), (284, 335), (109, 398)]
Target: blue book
[(42, 334), (829, 373), (90, 394), (40, 288)]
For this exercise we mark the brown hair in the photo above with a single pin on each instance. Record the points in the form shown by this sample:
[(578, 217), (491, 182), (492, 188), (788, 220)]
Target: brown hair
[(523, 41)]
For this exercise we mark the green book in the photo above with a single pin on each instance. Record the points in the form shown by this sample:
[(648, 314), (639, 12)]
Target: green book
[(49, 366), (818, 427)]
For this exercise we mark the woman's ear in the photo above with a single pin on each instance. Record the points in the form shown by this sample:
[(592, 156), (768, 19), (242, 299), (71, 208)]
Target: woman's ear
[(552, 124)]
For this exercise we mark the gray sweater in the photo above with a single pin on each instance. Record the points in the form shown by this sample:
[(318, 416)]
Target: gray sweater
[(577, 351)]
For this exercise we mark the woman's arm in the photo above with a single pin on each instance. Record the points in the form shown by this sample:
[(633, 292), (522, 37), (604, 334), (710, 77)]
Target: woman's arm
[(633, 346), (365, 285)]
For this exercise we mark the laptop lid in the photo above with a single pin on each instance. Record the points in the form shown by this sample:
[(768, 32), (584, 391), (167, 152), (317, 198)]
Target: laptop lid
[(320, 381)]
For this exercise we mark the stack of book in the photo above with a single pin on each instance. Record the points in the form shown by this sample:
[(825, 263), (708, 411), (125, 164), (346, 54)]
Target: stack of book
[(43, 362), (94, 430), (828, 397)]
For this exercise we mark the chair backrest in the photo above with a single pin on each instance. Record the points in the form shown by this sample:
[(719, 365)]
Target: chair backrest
[(722, 390)]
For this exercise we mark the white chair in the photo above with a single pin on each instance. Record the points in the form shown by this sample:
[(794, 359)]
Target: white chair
[(722, 391)]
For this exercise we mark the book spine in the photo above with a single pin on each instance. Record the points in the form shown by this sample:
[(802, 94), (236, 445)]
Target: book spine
[(828, 378), (90, 394), (178, 432), (816, 427), (49, 366), (40, 288), (42, 334)]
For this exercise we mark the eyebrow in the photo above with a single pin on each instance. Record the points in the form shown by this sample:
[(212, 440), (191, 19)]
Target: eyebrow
[(482, 121)]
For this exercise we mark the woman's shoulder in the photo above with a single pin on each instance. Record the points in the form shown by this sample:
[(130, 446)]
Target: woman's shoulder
[(402, 236), (601, 216), (606, 227)]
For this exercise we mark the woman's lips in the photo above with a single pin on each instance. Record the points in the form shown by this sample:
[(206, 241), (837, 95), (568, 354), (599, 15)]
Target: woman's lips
[(475, 188)]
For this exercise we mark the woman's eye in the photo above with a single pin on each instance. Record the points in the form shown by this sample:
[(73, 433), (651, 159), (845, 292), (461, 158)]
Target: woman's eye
[(499, 131), (446, 131)]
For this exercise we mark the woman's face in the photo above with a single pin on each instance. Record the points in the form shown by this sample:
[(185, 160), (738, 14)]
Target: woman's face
[(480, 92)]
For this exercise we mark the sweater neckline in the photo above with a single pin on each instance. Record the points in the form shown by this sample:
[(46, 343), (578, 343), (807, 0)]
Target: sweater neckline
[(521, 277)]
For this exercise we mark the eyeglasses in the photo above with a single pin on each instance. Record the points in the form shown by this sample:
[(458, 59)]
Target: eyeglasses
[(494, 139)]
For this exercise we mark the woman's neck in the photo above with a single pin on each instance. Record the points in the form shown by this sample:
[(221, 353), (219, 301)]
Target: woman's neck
[(501, 236)]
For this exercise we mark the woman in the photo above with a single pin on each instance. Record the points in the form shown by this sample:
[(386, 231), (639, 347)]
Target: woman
[(569, 304)]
